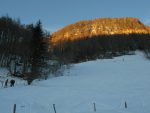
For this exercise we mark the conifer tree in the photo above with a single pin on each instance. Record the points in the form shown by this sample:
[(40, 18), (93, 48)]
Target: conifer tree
[(39, 49)]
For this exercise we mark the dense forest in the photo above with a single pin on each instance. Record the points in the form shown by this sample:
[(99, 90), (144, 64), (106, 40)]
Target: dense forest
[(23, 48), (100, 38)]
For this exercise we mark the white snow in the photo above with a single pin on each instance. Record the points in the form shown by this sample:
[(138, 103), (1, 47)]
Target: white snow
[(107, 83)]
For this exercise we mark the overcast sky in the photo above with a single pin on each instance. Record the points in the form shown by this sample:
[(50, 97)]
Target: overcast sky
[(56, 14)]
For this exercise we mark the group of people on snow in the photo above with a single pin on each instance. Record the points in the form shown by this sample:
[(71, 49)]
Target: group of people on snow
[(12, 83)]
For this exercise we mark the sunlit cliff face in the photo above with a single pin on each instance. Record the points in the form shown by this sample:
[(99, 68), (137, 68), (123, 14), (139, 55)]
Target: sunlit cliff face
[(97, 27)]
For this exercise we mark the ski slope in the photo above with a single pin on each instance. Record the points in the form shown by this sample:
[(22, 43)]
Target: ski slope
[(107, 83)]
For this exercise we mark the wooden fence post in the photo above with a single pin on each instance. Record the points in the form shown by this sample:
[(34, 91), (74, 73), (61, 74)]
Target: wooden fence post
[(54, 108), (94, 107), (14, 109), (125, 104)]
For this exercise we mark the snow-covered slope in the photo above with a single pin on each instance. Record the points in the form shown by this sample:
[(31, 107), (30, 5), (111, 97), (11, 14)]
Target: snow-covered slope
[(107, 83)]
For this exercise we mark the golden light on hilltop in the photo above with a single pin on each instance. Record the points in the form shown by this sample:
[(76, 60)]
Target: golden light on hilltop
[(98, 27)]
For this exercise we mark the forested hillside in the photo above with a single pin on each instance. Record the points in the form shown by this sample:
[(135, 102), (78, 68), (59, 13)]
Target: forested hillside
[(27, 51), (100, 38), (101, 26)]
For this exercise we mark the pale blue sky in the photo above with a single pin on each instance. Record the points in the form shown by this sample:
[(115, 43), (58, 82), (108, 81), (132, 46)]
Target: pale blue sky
[(55, 14)]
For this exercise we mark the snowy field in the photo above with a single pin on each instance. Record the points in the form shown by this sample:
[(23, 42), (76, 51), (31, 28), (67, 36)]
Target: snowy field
[(107, 83)]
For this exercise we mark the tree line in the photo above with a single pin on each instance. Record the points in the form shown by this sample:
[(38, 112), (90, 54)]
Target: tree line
[(100, 38), (103, 46), (24, 49)]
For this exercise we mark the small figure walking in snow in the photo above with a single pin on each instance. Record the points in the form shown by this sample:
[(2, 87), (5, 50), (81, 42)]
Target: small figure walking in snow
[(6, 82), (12, 82)]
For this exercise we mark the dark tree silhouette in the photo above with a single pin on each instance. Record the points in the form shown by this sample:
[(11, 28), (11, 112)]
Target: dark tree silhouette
[(39, 48)]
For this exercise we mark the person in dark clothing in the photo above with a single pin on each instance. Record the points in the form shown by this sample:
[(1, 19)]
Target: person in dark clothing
[(12, 82), (6, 82)]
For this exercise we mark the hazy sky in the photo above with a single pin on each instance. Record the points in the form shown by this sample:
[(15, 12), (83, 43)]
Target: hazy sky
[(55, 14)]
